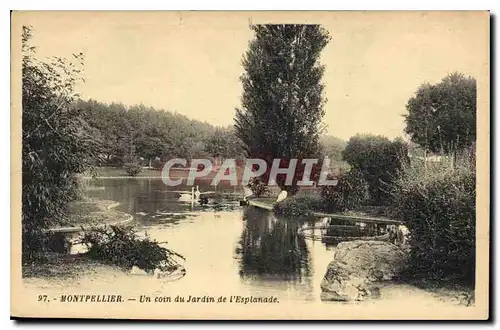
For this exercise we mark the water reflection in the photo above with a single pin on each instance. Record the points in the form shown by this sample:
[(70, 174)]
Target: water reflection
[(271, 246), (248, 249), (150, 200)]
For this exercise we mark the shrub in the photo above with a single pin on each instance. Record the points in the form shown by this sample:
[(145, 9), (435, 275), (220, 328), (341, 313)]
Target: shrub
[(438, 206), (122, 247), (258, 187), (379, 160), (350, 192), (132, 169), (301, 207)]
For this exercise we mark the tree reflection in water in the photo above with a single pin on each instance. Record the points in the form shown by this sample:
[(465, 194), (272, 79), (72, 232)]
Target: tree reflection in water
[(270, 246)]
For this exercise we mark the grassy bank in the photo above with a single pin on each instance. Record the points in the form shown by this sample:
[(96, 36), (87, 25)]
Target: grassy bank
[(117, 172), (61, 267), (89, 212)]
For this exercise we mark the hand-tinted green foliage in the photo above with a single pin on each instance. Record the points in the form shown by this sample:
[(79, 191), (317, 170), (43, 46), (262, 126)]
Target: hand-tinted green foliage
[(379, 160), (282, 102), (124, 248), (442, 117), (57, 143), (438, 205), (155, 134), (350, 192)]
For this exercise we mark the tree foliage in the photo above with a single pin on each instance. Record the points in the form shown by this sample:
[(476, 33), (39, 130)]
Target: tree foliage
[(379, 160), (224, 144), (350, 193), (282, 102), (57, 142), (442, 117), (332, 147), (153, 133)]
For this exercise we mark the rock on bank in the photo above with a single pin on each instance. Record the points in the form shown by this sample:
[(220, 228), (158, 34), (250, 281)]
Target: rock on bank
[(359, 269)]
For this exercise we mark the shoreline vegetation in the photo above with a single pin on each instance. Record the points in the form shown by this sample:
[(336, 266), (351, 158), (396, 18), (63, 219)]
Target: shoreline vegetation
[(281, 116), (99, 227)]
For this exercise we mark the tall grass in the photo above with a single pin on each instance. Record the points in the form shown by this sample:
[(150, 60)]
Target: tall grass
[(437, 202)]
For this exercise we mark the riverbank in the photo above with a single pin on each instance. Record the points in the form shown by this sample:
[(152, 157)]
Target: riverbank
[(91, 213), (114, 173), (449, 293), (368, 214), (222, 234), (66, 269), (60, 273), (118, 172)]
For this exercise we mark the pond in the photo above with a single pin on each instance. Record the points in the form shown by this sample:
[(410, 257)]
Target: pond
[(229, 249), (247, 249)]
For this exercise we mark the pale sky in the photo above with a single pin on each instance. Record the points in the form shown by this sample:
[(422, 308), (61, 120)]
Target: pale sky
[(191, 62)]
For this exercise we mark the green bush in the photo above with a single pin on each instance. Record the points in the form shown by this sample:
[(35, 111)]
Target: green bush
[(120, 246), (350, 192), (438, 206), (379, 160)]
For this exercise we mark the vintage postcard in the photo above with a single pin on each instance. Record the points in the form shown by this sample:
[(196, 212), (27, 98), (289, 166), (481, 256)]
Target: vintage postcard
[(250, 165)]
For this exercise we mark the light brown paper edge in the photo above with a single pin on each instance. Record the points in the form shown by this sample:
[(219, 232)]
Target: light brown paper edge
[(287, 310)]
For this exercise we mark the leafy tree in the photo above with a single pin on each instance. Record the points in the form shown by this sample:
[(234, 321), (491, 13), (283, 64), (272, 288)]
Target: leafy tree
[(332, 146), (223, 143), (442, 117), (152, 133), (379, 160), (282, 102), (57, 143)]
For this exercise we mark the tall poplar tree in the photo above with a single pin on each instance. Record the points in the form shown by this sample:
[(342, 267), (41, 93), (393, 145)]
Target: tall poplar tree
[(282, 103)]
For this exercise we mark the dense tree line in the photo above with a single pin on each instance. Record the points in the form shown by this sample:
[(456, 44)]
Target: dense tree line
[(126, 134), (282, 103)]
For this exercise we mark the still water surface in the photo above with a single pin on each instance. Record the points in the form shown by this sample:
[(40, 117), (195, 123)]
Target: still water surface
[(247, 251), (230, 250)]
